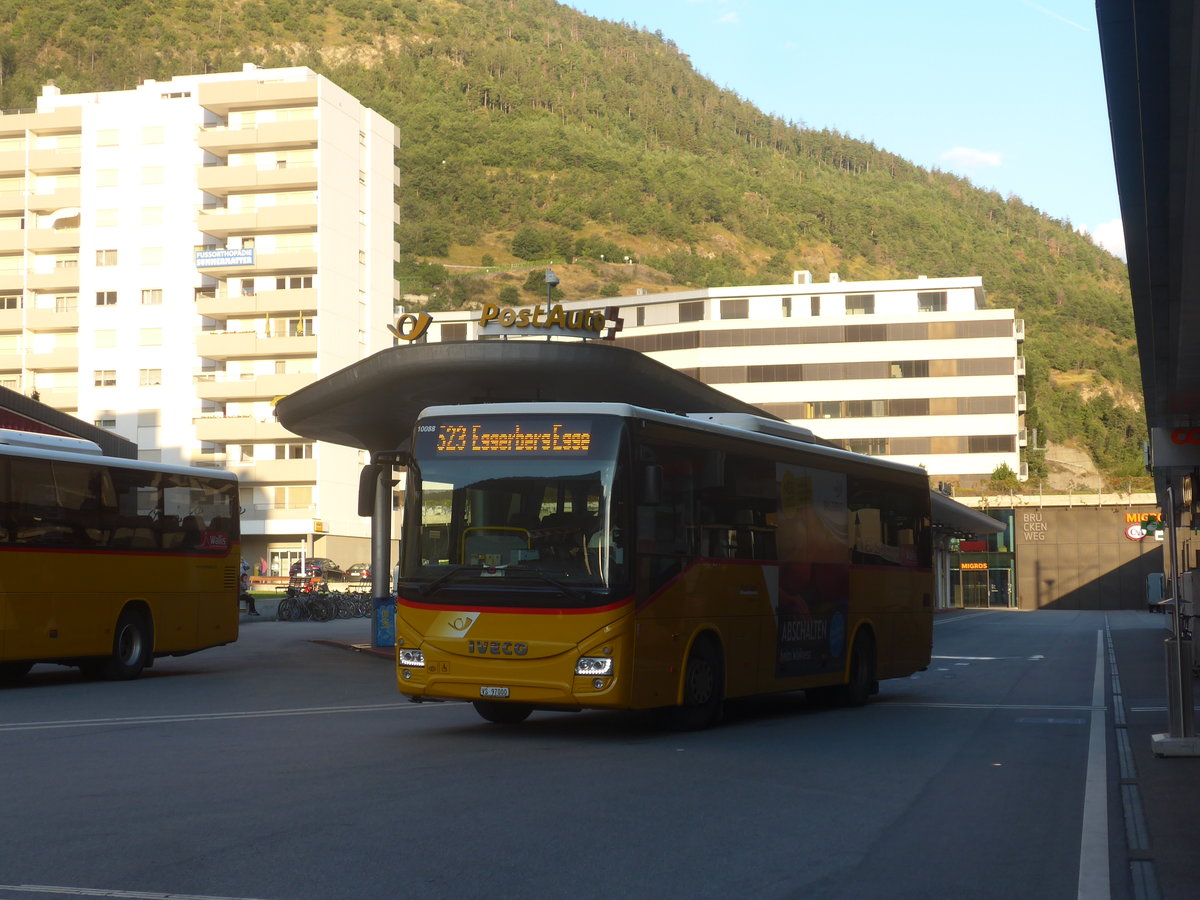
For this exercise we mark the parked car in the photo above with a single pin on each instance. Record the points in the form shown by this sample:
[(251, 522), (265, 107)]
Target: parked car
[(359, 572), (319, 565)]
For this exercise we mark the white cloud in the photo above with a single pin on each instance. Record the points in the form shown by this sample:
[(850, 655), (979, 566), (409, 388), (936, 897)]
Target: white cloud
[(1110, 236), (730, 18), (971, 159)]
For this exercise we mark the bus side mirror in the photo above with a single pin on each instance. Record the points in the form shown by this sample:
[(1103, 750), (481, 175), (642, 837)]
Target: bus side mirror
[(368, 478), (652, 485)]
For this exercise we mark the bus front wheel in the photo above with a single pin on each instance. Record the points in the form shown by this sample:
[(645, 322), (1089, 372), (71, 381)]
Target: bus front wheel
[(131, 647), (703, 687), (502, 713)]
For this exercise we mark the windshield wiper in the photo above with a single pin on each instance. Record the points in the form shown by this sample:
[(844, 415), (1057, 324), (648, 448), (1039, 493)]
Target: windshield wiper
[(432, 586), (554, 582)]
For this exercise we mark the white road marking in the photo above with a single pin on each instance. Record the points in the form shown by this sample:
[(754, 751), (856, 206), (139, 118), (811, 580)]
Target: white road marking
[(1093, 883), (210, 717), (99, 892)]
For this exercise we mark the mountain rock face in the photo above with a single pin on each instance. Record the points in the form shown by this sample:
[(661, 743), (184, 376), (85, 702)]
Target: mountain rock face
[(532, 132)]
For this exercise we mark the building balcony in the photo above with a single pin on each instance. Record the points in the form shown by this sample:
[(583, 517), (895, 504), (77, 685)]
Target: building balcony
[(260, 263), (222, 97), (63, 119), (62, 198), (59, 398), (11, 281), (1019, 329), (221, 223), (1021, 406), (274, 471), (1023, 438), (239, 430), (53, 161), (52, 319), (41, 239), (11, 319), (222, 140), (224, 306), (64, 278), (57, 359), (251, 345), (12, 201), (12, 241), (219, 387), (12, 162), (1020, 367), (223, 180)]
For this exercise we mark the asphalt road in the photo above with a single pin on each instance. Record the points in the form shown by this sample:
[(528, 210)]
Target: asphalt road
[(285, 769)]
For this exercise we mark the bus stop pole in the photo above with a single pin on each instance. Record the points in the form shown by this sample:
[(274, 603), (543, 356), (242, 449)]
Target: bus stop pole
[(383, 603)]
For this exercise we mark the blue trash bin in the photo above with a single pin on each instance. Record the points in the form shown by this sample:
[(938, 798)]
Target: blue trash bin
[(384, 630)]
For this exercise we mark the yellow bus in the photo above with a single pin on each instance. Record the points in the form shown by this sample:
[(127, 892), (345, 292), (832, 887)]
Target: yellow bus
[(567, 556), (108, 563)]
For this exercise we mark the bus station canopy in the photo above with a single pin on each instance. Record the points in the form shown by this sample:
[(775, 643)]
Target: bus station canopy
[(373, 404)]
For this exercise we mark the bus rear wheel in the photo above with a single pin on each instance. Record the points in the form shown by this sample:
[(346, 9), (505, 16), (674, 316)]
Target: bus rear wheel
[(11, 673), (502, 713), (131, 647)]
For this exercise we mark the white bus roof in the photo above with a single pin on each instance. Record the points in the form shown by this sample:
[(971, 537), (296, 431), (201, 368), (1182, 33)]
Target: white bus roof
[(757, 428), (66, 450), (39, 441)]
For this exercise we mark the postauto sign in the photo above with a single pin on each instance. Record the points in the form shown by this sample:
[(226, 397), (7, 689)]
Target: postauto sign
[(526, 320)]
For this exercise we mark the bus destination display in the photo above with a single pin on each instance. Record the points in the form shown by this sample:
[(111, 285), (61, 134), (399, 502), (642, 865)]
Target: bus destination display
[(508, 438)]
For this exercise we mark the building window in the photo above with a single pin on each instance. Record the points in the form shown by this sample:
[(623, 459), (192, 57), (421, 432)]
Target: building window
[(105, 420), (691, 311), (152, 215), (455, 332), (152, 297), (787, 307), (105, 378), (106, 218), (149, 377), (293, 451), (641, 316), (860, 304), (106, 257), (293, 497), (152, 175), (152, 256), (931, 301), (293, 282), (106, 338), (152, 135), (106, 298), (106, 178), (735, 309), (108, 137), (151, 337), (814, 306), (10, 301)]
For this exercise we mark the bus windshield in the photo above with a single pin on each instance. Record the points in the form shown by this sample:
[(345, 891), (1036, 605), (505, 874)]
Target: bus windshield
[(515, 505)]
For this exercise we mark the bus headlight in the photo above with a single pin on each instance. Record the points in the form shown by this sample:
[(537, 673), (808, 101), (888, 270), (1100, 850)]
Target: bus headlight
[(594, 665), (413, 658)]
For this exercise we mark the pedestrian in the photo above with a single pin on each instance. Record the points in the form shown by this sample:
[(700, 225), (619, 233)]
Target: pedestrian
[(247, 597)]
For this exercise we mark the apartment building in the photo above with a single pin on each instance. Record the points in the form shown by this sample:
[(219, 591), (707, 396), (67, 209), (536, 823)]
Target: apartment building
[(176, 256), (917, 370)]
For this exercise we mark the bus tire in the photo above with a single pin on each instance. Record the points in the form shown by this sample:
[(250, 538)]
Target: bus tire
[(502, 713), (131, 647), (862, 671), (703, 687), (11, 673)]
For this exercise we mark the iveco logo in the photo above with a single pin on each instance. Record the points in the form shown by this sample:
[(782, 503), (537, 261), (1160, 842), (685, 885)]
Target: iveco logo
[(497, 648)]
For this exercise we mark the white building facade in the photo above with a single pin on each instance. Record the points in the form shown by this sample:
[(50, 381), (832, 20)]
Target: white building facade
[(915, 370), (175, 257)]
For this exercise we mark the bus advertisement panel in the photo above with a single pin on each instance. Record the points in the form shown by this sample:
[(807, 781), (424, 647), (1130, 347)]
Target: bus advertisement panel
[(571, 556)]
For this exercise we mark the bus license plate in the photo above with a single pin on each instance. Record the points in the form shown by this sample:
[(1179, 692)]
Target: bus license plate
[(493, 692)]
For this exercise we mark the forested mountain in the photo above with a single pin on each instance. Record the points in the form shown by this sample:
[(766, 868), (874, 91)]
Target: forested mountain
[(529, 127)]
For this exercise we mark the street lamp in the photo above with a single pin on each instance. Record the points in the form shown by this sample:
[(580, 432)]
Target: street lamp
[(551, 283)]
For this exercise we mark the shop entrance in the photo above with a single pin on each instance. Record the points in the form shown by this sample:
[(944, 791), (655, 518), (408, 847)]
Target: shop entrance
[(281, 560), (986, 589)]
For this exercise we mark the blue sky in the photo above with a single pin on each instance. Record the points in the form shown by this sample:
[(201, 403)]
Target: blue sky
[(1008, 93)]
